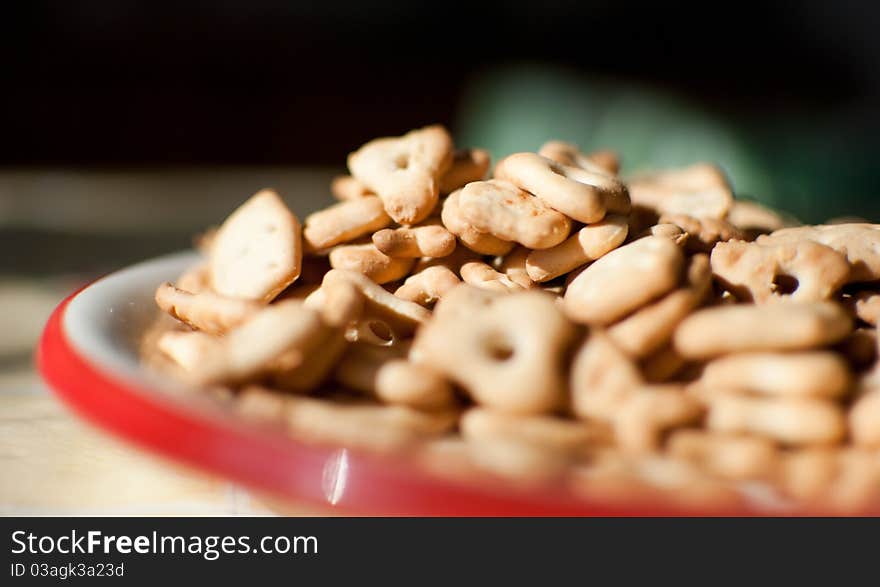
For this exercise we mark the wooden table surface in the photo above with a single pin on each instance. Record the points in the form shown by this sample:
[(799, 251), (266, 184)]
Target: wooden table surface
[(52, 464)]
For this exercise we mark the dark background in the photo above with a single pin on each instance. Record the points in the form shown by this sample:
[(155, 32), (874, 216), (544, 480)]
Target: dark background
[(119, 82)]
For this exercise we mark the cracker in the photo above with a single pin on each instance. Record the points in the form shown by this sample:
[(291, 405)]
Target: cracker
[(371, 262), (649, 328), (602, 378), (584, 193), (345, 187), (205, 311), (401, 314), (858, 242), (778, 327), (428, 240), (506, 351), (428, 285), (700, 190), (405, 171), (589, 243), (476, 240), (467, 165), (866, 305), (624, 280), (703, 233), (570, 154), (344, 222), (257, 251), (803, 374), (509, 213), (761, 272), (791, 421)]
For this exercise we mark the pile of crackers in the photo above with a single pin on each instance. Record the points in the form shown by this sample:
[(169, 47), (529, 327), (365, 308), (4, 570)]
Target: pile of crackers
[(548, 322)]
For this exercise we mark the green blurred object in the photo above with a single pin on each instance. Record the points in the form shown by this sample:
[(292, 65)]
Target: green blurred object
[(815, 170)]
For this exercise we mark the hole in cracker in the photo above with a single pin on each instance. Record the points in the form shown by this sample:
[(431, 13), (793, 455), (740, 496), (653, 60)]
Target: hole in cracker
[(784, 284), (401, 161), (499, 349), (271, 228), (381, 330), (556, 168)]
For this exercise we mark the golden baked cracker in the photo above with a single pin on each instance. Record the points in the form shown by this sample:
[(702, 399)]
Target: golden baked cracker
[(650, 327), (344, 222), (428, 285), (425, 240), (588, 244), (345, 187), (505, 211), (761, 272), (506, 351), (801, 374), (699, 190), (405, 171), (858, 242), (467, 165), (206, 311), (777, 327), (624, 280), (602, 377), (257, 251), (371, 262), (473, 239), (569, 154), (584, 193)]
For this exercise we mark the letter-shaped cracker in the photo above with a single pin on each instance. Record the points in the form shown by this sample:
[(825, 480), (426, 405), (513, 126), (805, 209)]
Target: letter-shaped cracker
[(805, 374), (367, 259), (507, 212), (405, 171), (401, 315), (481, 275), (467, 165), (751, 271), (406, 383), (205, 311), (700, 190), (730, 456), (285, 328), (602, 378), (583, 194), (864, 419), (257, 252), (428, 240), (703, 233), (506, 351), (588, 244), (482, 424), (344, 222), (624, 280), (650, 327), (475, 240), (648, 412), (859, 243), (428, 285), (788, 420), (570, 155), (776, 327)]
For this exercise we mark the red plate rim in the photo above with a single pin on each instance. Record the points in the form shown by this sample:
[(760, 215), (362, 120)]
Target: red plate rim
[(283, 467)]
